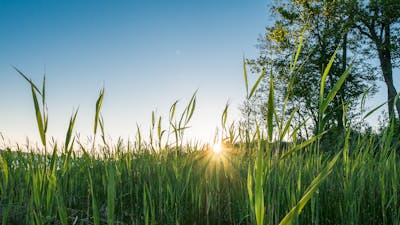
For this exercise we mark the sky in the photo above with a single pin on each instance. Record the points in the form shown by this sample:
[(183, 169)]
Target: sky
[(146, 54)]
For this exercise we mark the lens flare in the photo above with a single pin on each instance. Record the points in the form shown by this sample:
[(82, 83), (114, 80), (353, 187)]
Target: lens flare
[(217, 148)]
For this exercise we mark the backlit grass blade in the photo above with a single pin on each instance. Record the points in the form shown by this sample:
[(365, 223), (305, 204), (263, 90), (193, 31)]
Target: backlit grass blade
[(257, 83), (190, 108), (70, 129), (172, 111), (27, 79), (43, 90), (379, 106), (271, 108), (97, 113), (302, 145), (288, 123), (224, 115), (298, 127), (153, 119), (295, 211), (299, 46), (335, 89), (246, 82), (363, 98), (324, 75), (39, 118), (44, 107)]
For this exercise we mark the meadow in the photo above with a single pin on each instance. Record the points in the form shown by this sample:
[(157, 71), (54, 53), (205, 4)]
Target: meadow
[(253, 176)]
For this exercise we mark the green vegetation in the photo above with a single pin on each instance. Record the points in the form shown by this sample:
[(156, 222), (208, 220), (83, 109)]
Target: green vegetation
[(365, 36), (134, 185), (257, 178), (265, 171)]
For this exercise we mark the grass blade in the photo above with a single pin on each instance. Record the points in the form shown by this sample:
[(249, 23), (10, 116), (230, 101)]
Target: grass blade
[(324, 75), (39, 118), (98, 106), (295, 211), (28, 80), (271, 108), (257, 82), (335, 89), (246, 82), (70, 129), (302, 145)]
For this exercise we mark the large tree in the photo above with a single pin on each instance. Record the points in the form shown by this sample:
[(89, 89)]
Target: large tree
[(378, 22), (324, 26)]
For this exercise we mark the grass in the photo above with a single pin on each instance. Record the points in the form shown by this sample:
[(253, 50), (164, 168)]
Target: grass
[(257, 178), (199, 187)]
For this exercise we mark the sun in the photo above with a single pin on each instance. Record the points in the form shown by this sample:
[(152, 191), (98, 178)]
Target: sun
[(217, 148)]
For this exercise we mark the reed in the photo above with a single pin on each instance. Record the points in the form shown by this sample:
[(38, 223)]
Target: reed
[(255, 179)]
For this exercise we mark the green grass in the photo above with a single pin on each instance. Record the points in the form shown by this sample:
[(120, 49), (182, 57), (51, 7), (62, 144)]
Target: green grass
[(198, 187), (256, 179)]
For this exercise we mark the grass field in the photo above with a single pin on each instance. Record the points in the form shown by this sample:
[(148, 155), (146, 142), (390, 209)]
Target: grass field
[(133, 185), (255, 178)]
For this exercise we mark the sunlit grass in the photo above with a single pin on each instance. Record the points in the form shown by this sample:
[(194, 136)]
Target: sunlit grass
[(248, 176), (217, 148)]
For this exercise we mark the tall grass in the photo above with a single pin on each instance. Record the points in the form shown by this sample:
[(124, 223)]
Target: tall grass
[(256, 179)]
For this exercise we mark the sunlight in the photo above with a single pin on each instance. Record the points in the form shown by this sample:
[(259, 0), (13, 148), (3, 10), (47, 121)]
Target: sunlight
[(217, 148)]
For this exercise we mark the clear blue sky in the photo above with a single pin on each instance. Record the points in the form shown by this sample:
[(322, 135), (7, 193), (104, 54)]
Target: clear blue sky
[(147, 54)]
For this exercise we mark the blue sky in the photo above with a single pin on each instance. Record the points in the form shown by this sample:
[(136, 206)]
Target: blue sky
[(146, 54)]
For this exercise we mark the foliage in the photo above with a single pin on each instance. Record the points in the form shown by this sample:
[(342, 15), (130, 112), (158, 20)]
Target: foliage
[(377, 23), (321, 29), (256, 179)]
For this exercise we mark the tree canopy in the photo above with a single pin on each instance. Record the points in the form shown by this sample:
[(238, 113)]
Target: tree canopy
[(346, 28)]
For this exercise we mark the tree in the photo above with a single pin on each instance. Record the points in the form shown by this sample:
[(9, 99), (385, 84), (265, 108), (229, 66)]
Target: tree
[(378, 22), (324, 26)]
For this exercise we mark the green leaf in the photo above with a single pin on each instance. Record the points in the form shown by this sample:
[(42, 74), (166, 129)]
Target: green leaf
[(295, 211), (96, 216), (257, 82), (110, 194), (98, 106), (70, 129), (192, 106), (27, 79), (172, 110), (44, 90), (335, 89), (302, 145), (159, 128), (246, 82), (374, 110), (39, 119), (300, 45), (324, 75), (288, 123), (62, 210), (364, 95), (271, 108), (224, 115)]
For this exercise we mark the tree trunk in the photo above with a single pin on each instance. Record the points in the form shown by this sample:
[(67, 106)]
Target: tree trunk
[(385, 59)]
